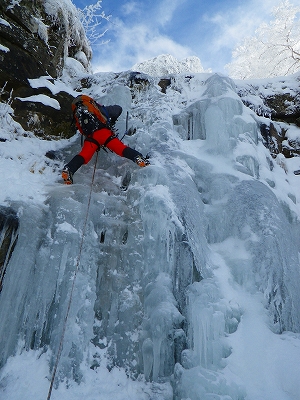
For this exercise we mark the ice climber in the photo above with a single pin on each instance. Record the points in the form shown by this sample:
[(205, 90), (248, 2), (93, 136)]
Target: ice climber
[(98, 133)]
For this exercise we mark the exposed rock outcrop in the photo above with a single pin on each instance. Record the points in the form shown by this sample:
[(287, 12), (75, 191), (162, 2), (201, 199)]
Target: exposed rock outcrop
[(9, 225), (279, 102), (36, 38), (285, 107)]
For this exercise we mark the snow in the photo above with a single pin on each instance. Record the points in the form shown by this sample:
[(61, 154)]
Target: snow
[(4, 48), (74, 32), (27, 170), (4, 22), (53, 85), (201, 251), (167, 64), (42, 98), (265, 362), (65, 227)]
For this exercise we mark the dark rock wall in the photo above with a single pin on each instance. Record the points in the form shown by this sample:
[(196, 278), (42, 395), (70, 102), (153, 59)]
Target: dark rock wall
[(277, 107), (36, 44), (9, 225)]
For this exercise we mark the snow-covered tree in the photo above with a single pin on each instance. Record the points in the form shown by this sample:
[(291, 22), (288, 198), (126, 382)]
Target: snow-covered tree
[(274, 50), (91, 18)]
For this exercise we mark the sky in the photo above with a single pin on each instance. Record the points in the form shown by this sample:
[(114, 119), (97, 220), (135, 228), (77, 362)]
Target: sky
[(139, 30)]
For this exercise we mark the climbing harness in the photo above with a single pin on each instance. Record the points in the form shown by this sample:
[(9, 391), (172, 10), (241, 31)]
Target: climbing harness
[(73, 285), (114, 135)]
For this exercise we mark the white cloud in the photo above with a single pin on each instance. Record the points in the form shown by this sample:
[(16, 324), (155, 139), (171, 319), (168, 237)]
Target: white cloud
[(140, 38), (211, 36), (233, 25), (226, 29), (165, 11), (131, 7), (136, 44)]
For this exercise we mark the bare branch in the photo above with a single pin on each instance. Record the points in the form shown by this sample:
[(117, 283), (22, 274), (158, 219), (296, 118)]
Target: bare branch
[(275, 48), (91, 19)]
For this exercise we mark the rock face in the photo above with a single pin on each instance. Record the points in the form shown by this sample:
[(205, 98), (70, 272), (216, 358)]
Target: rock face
[(9, 225), (279, 103), (285, 107), (36, 37)]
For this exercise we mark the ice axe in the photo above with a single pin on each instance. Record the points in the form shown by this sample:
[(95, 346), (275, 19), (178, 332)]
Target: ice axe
[(128, 132)]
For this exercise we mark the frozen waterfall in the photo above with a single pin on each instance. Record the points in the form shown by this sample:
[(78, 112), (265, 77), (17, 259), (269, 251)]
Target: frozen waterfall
[(178, 258)]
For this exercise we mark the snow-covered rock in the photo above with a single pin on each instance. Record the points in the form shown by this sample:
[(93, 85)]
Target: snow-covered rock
[(167, 64), (36, 39)]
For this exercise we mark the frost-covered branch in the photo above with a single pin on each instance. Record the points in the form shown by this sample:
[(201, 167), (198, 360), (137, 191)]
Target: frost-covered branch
[(91, 18), (274, 50)]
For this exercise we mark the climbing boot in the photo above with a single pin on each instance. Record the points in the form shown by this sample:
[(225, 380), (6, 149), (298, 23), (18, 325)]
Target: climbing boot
[(67, 176), (141, 161)]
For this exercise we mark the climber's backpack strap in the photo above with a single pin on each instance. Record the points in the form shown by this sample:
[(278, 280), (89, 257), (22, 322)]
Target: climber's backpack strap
[(88, 116)]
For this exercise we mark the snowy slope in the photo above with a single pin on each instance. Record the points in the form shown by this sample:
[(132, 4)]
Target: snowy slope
[(188, 280)]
